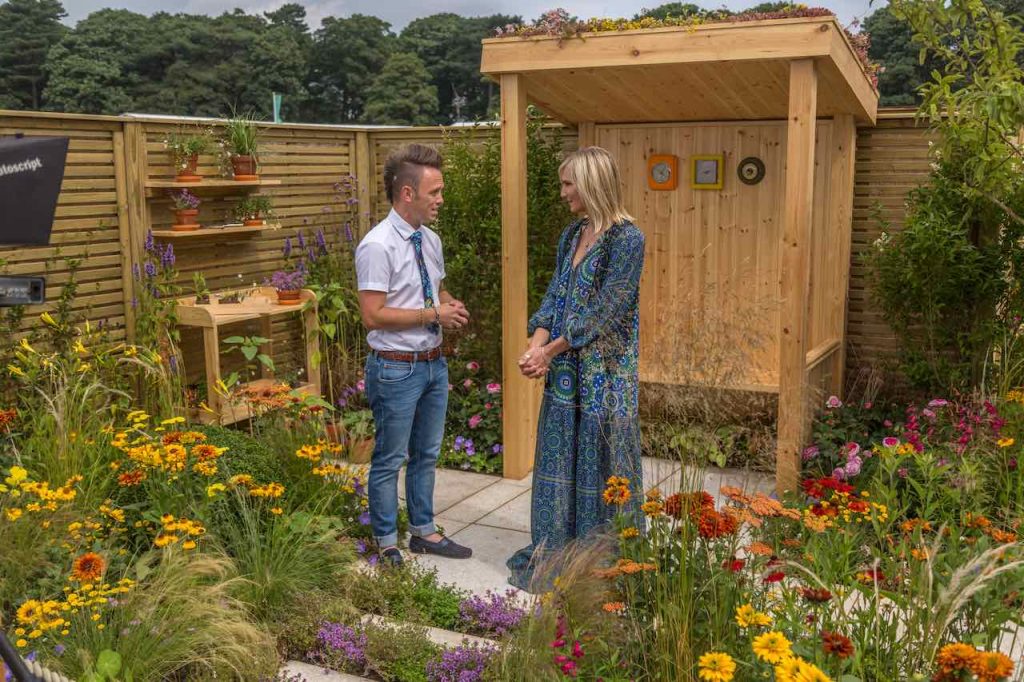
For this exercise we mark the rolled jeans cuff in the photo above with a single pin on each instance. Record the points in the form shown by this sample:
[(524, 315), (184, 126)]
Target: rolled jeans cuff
[(423, 531), (386, 541)]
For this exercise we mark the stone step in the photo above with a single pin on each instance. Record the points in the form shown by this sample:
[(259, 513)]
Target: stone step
[(443, 638), (317, 673)]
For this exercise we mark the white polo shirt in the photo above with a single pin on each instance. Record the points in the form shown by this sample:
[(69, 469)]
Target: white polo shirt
[(386, 261)]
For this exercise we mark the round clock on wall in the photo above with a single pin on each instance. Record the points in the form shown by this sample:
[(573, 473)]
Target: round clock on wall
[(662, 171), (750, 170)]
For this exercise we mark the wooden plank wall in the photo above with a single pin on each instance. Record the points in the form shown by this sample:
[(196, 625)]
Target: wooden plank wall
[(711, 267), (87, 223), (94, 208), (892, 159)]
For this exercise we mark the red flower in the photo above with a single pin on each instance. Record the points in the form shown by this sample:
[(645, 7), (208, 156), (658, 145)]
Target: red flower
[(733, 565), (817, 487), (688, 503), (858, 506), (774, 577), (815, 595), (836, 644)]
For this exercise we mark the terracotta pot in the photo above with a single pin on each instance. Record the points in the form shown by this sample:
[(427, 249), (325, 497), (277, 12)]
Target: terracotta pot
[(244, 167), (185, 220), (360, 451), (188, 173), (288, 296), (253, 222)]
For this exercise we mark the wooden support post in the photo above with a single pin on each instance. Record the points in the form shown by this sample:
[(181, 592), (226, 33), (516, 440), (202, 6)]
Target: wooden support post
[(844, 153), (124, 231), (586, 134), (310, 328), (211, 351), (795, 275), (519, 423), (136, 217), (366, 178)]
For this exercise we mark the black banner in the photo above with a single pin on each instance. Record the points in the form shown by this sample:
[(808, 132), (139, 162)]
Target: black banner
[(31, 172)]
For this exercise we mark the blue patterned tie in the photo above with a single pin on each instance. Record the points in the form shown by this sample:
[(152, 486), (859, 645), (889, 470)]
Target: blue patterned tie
[(428, 291)]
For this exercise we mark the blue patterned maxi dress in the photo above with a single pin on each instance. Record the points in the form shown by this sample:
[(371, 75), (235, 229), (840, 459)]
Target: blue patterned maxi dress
[(589, 429)]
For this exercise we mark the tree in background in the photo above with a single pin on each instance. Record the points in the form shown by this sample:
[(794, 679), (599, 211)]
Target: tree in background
[(93, 68), (449, 46), (892, 46), (28, 29), (672, 9), (402, 94), (347, 54)]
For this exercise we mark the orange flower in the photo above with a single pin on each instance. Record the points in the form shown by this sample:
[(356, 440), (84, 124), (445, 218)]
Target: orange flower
[(614, 607), (991, 666), (617, 492), (88, 568), (760, 548), (712, 525), (734, 494), (7, 417), (204, 451), (652, 507), (954, 658), (910, 525), (791, 542), (919, 554), (1003, 536), (130, 478), (688, 503)]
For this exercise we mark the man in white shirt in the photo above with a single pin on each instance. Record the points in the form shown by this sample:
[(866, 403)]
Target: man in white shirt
[(400, 272)]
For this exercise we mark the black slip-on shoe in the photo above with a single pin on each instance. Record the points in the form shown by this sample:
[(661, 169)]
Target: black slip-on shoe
[(391, 557), (443, 547)]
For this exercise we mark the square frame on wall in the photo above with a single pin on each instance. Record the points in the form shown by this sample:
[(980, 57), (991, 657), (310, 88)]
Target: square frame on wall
[(707, 171)]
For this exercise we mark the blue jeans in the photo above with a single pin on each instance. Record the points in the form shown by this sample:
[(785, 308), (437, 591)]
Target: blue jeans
[(409, 401)]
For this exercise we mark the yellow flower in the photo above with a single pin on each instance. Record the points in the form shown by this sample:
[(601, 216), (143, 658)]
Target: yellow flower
[(716, 666), (277, 511), (48, 319), (188, 544), (747, 616), (79, 347), (30, 611), (18, 474), (164, 540), (25, 346), (786, 669), (16, 371), (1005, 442), (772, 647), (212, 490), (13, 514), (21, 644), (808, 672), (630, 532)]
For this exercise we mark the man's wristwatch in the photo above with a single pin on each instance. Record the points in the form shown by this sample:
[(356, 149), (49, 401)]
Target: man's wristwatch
[(437, 315)]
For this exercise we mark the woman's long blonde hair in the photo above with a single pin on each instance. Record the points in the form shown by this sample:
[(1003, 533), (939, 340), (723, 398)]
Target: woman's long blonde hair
[(596, 176)]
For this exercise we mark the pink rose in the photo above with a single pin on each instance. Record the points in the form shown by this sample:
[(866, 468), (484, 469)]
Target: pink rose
[(833, 402), (468, 383), (494, 388), (475, 420), (890, 441), (488, 406), (473, 366)]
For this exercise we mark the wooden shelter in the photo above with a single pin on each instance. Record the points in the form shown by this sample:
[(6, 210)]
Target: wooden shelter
[(787, 92)]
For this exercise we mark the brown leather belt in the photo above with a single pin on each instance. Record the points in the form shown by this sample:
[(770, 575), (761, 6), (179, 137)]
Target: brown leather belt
[(403, 356)]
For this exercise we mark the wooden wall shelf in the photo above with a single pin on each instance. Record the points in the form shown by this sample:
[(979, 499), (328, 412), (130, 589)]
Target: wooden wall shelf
[(215, 231), (220, 185)]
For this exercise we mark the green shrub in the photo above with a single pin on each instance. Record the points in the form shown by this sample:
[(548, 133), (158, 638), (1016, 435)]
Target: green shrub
[(245, 455), (411, 594)]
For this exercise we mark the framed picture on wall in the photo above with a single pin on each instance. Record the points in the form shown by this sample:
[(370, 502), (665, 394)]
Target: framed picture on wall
[(706, 171)]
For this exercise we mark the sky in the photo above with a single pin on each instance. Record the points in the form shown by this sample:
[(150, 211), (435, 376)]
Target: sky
[(401, 12)]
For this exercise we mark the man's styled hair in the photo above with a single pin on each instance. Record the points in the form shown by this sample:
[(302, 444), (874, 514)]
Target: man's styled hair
[(405, 165)]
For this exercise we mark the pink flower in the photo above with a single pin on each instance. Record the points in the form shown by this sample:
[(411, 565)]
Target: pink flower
[(473, 366), (810, 452), (852, 450), (494, 388), (938, 402), (833, 402), (361, 385), (890, 441), (569, 669), (867, 405), (468, 383), (488, 406), (558, 644), (450, 387), (577, 650), (839, 474), (475, 420)]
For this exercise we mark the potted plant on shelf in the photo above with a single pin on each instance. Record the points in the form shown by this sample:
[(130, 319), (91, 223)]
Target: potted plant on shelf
[(186, 208), (288, 284), (185, 149), (253, 210), (241, 144)]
